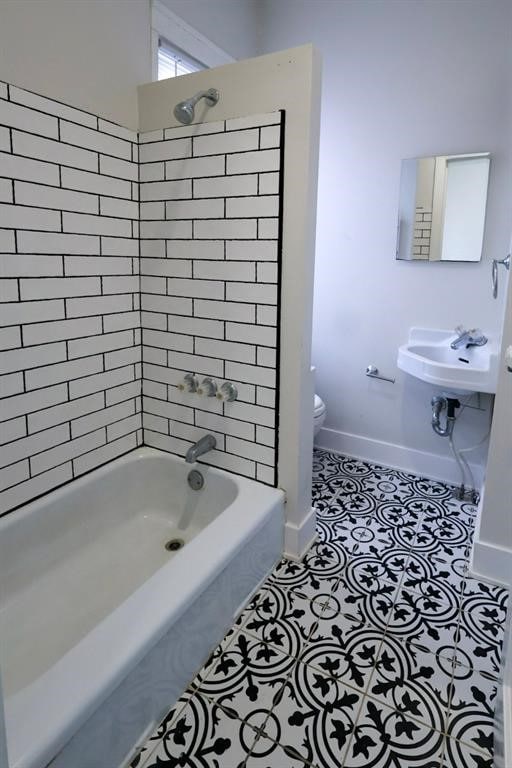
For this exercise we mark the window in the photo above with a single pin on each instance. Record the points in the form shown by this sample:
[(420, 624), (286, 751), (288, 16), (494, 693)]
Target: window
[(172, 62)]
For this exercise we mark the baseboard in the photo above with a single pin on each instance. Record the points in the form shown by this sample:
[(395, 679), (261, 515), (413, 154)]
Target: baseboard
[(491, 562), (430, 465), (298, 539)]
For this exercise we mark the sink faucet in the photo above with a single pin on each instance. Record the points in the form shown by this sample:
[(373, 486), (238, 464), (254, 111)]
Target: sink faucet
[(471, 338), (205, 444)]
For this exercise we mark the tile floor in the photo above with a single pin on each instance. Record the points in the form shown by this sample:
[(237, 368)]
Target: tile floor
[(376, 650)]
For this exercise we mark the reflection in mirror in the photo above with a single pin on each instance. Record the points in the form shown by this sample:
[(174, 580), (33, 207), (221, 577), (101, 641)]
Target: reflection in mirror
[(441, 212)]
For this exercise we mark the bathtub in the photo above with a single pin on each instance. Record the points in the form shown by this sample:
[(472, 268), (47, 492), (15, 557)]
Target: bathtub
[(101, 626)]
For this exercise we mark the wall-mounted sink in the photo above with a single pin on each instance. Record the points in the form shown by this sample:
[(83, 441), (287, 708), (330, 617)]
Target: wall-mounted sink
[(428, 356)]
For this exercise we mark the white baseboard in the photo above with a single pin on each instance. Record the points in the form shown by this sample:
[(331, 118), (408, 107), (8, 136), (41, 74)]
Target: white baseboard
[(491, 562), (430, 465), (298, 539)]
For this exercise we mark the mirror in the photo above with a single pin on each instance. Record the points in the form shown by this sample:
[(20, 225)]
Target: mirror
[(441, 211)]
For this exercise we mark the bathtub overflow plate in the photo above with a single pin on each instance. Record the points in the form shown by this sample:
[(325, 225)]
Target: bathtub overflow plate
[(174, 544), (195, 480)]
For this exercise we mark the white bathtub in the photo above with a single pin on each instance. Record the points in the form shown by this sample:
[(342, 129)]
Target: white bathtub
[(101, 627)]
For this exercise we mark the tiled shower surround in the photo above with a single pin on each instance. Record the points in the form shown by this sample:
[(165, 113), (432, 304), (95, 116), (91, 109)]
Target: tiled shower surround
[(70, 336)]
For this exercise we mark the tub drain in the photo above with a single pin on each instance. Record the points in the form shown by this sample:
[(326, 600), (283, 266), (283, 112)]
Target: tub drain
[(174, 544)]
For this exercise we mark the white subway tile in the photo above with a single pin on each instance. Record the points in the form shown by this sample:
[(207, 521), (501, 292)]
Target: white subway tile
[(253, 162), (119, 246), (162, 374), (60, 414), (54, 242), (95, 345), (165, 150), (98, 305), (31, 312), (32, 170), (201, 289), (247, 450), (32, 401), (219, 229), (98, 142), (268, 229), (194, 249), (166, 443), (12, 430), (8, 290), (223, 310), (267, 273), (266, 397), (16, 265), (225, 425), (253, 413), (166, 229), (266, 356), (23, 217), (15, 473), (197, 129), (96, 383), (52, 107), (168, 410), (6, 191), (193, 434), (67, 451), (117, 130), (221, 143), (154, 356), (174, 395), (81, 223), (123, 392), (104, 454), (5, 140), (226, 350), (96, 183), (52, 197), (53, 151), (262, 293), (121, 357), (194, 209), (269, 184), (166, 267), (205, 365), (229, 462), (146, 136), (192, 168), (10, 337), (23, 492), (253, 121), (53, 374), (17, 116), (270, 136), (121, 284), (101, 418), (252, 374), (152, 248), (241, 207), (11, 384), (266, 315), (152, 172), (172, 305), (124, 427), (226, 186), (167, 340), (113, 206), (123, 169), (31, 357), (153, 284), (251, 334), (152, 211), (166, 190), (156, 423), (121, 321), (155, 389), (6, 241), (29, 446), (96, 265), (224, 270), (58, 287), (41, 333), (213, 329), (265, 474), (153, 320)]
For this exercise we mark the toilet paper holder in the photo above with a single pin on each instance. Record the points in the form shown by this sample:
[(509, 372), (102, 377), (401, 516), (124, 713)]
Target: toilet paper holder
[(373, 372)]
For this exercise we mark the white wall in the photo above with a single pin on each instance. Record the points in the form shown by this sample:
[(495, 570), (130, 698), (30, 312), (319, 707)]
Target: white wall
[(88, 53), (401, 79), (233, 25)]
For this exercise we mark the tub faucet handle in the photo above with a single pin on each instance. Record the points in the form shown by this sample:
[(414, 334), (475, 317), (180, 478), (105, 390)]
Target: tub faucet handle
[(190, 383), (208, 387), (228, 392)]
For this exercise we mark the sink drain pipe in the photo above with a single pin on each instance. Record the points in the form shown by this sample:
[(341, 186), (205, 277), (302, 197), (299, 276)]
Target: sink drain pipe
[(450, 404)]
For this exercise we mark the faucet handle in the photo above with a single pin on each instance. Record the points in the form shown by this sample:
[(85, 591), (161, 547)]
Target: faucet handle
[(190, 383), (228, 392), (208, 387)]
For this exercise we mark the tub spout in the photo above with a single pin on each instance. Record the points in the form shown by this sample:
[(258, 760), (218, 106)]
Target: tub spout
[(205, 444)]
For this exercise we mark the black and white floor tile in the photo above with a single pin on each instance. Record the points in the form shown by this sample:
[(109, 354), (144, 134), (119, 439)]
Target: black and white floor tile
[(376, 650)]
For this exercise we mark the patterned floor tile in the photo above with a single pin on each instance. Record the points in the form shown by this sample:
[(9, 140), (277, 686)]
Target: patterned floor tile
[(472, 705), (479, 643), (437, 569), (368, 598), (459, 755), (267, 754), (423, 619)]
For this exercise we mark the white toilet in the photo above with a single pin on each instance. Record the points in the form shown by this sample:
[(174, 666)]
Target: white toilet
[(318, 415)]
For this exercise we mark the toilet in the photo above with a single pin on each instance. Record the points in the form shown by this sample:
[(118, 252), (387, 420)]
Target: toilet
[(318, 415)]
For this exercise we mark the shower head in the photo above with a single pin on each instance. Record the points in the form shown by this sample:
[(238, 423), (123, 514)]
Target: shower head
[(184, 111)]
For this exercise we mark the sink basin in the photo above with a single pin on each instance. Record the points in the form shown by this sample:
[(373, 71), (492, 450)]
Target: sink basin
[(429, 357)]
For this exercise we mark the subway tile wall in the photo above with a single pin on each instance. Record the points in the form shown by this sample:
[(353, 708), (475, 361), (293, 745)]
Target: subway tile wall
[(73, 237), (70, 370), (210, 255)]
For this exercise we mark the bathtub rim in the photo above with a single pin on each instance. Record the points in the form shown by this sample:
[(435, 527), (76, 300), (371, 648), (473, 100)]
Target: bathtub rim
[(143, 608)]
